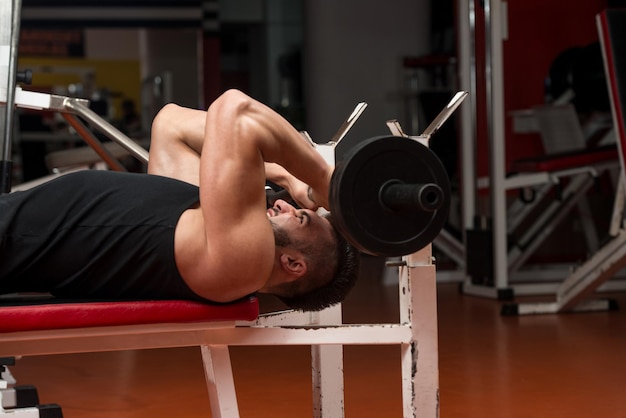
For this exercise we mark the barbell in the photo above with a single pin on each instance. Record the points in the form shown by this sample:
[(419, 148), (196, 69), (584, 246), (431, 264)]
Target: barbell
[(389, 196)]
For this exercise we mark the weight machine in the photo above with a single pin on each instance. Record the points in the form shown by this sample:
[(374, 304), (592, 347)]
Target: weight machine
[(493, 270), (607, 261), (37, 328)]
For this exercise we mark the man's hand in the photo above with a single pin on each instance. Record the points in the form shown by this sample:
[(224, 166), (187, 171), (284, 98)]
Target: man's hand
[(300, 193), (320, 196), (304, 195)]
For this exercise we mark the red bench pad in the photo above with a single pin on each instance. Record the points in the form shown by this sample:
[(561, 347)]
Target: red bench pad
[(567, 160), (56, 315)]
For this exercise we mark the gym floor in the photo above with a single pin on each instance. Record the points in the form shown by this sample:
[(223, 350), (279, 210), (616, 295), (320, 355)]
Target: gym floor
[(567, 365)]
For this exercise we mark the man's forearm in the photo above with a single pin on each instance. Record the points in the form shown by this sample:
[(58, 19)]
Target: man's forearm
[(298, 190), (277, 174), (176, 142)]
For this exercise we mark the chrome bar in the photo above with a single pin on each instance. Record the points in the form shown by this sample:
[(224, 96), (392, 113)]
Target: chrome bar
[(106, 128), (445, 114), (93, 142), (345, 127), (42, 101)]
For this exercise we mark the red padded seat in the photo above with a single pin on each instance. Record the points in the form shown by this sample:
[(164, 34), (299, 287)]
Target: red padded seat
[(566, 160), (50, 316)]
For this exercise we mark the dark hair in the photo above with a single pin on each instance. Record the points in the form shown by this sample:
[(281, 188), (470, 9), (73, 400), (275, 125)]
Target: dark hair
[(343, 261)]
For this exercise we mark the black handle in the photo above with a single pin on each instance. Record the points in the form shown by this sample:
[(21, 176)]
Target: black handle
[(396, 195)]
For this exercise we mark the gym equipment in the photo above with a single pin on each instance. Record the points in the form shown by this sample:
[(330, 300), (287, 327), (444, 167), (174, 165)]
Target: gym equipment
[(559, 181), (389, 196), (492, 221), (611, 257)]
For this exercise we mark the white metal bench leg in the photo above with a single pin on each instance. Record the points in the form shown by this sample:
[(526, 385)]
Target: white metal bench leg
[(420, 358), (220, 382), (327, 371)]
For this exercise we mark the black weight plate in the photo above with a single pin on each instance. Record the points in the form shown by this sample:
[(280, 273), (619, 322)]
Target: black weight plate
[(355, 202)]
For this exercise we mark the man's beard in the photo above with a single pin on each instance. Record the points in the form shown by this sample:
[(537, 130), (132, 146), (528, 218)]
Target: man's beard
[(281, 238)]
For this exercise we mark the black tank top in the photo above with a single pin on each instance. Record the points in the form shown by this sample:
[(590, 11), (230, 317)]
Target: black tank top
[(95, 234)]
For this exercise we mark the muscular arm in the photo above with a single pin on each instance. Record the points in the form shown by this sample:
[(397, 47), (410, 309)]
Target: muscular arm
[(237, 116), (242, 138), (176, 145)]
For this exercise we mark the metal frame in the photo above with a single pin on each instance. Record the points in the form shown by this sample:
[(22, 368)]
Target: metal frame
[(70, 108), (494, 33), (508, 277), (611, 258)]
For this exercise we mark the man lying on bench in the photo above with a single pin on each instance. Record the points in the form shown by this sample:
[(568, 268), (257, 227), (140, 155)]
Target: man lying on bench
[(195, 227)]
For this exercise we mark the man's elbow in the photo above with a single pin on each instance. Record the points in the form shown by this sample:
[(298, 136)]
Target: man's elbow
[(233, 103), (164, 120), (232, 95), (234, 110)]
